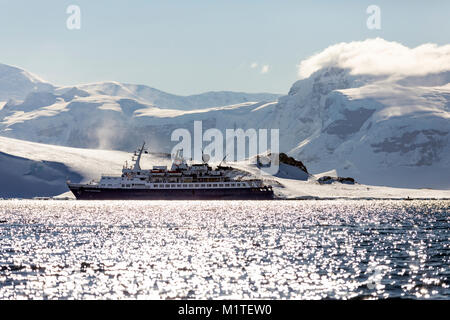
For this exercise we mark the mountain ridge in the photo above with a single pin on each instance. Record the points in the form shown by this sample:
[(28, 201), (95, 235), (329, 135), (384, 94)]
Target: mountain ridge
[(17, 84)]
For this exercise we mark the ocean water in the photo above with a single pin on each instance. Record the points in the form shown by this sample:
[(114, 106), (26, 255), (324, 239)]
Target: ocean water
[(224, 249)]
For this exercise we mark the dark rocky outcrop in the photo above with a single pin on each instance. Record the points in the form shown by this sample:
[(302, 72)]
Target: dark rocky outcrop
[(284, 158), (329, 180)]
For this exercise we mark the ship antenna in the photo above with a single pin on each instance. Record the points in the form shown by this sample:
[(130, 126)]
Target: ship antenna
[(223, 160)]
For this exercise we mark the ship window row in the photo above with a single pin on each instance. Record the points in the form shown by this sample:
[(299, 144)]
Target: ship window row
[(190, 185), (203, 185)]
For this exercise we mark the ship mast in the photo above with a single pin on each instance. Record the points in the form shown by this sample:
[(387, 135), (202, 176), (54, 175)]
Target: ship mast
[(137, 165)]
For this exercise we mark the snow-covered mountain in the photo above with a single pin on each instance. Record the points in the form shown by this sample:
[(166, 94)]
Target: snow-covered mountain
[(100, 115), (16, 83), (78, 118), (374, 110), (380, 131)]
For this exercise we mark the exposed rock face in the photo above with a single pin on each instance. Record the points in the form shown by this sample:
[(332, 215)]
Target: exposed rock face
[(284, 158), (429, 143)]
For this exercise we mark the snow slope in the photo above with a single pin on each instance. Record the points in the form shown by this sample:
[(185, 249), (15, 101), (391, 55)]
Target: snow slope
[(29, 169), (25, 178)]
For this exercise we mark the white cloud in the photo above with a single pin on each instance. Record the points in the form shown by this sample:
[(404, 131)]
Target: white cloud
[(254, 65), (379, 57), (265, 69)]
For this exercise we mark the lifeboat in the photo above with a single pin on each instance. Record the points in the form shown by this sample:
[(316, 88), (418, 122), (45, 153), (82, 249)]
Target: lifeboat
[(158, 172)]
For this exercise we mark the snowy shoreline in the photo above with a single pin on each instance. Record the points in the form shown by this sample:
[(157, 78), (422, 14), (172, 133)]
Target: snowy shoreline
[(40, 170)]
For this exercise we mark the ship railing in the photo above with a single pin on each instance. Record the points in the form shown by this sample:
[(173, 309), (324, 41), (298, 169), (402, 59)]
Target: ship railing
[(116, 175)]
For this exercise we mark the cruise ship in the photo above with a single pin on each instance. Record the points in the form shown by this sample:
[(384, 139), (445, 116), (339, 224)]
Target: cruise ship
[(181, 182)]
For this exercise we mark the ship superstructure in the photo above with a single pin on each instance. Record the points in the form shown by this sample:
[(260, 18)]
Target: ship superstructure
[(181, 182)]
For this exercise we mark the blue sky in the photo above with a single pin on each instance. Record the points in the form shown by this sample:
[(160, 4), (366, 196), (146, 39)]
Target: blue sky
[(188, 46)]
